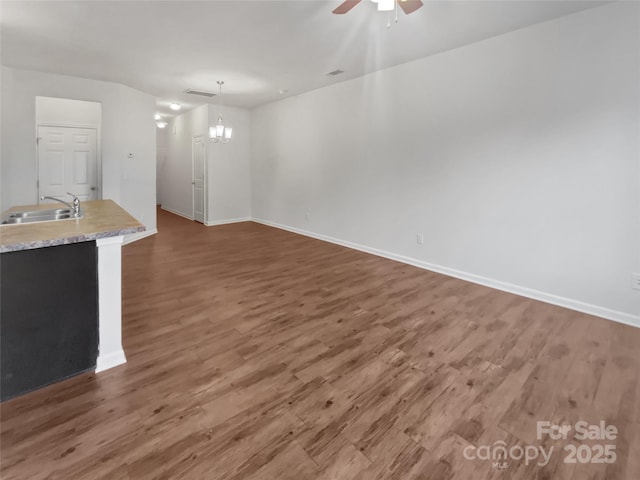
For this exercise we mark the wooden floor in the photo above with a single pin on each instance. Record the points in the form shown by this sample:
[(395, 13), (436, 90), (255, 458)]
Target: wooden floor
[(258, 354)]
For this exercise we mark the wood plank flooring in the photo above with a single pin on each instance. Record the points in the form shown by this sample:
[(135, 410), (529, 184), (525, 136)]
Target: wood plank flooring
[(258, 354)]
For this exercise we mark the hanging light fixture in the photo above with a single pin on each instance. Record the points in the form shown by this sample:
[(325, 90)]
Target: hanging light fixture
[(220, 133)]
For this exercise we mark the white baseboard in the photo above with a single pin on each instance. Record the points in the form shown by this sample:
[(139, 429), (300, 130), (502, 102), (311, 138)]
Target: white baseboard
[(175, 212), (134, 237), (110, 360), (615, 315), (211, 223), (227, 221)]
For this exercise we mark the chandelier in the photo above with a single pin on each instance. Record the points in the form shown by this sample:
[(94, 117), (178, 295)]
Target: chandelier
[(220, 133)]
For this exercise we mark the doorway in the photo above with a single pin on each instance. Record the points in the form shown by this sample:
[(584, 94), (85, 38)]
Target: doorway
[(199, 155), (67, 162), (68, 148)]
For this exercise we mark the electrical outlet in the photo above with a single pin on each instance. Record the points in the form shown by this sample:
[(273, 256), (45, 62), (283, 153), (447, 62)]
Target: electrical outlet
[(420, 239), (307, 216), (635, 278)]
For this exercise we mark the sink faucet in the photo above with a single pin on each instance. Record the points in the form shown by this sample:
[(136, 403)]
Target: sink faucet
[(75, 207)]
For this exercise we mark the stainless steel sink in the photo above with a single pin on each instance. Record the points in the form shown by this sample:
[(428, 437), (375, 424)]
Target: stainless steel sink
[(33, 216), (41, 213)]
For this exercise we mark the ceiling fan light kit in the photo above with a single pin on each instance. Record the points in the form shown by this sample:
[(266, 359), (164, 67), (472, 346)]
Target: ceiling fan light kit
[(220, 133), (386, 5), (389, 6)]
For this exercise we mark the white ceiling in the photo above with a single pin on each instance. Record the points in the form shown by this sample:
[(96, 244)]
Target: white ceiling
[(257, 47)]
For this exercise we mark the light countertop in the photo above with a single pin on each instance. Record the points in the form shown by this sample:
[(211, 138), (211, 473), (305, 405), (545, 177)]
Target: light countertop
[(102, 218)]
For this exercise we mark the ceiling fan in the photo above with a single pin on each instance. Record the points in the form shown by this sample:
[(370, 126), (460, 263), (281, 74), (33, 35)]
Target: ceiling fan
[(407, 6)]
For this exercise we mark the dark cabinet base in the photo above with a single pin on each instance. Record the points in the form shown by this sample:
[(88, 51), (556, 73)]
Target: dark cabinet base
[(48, 316)]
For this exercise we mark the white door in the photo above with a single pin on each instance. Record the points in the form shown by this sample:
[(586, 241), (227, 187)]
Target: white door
[(199, 156), (67, 162)]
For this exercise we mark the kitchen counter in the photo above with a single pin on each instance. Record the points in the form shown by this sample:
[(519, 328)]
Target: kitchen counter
[(102, 219), (73, 323)]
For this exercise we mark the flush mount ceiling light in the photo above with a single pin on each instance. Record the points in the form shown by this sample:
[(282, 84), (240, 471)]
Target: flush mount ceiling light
[(220, 133), (175, 106), (407, 6), (157, 117), (161, 124)]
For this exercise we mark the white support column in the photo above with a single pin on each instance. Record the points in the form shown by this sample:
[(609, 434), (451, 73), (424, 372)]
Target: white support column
[(110, 352)]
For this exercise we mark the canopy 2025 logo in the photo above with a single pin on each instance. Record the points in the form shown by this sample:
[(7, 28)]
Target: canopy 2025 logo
[(500, 454), (592, 453)]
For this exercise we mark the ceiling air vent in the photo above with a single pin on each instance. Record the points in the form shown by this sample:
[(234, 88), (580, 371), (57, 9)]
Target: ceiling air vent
[(197, 92), (335, 72)]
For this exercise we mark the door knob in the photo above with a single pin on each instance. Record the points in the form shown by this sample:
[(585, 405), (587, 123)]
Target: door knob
[(93, 187)]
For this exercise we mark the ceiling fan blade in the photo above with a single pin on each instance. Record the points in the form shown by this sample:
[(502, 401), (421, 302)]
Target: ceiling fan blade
[(346, 6), (409, 6)]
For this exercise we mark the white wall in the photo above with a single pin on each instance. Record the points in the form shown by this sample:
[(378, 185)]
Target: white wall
[(65, 111), (127, 127), (517, 157), (230, 168), (176, 175), (138, 142)]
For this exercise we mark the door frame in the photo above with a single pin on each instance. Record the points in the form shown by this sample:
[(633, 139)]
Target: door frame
[(98, 153), (205, 172)]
